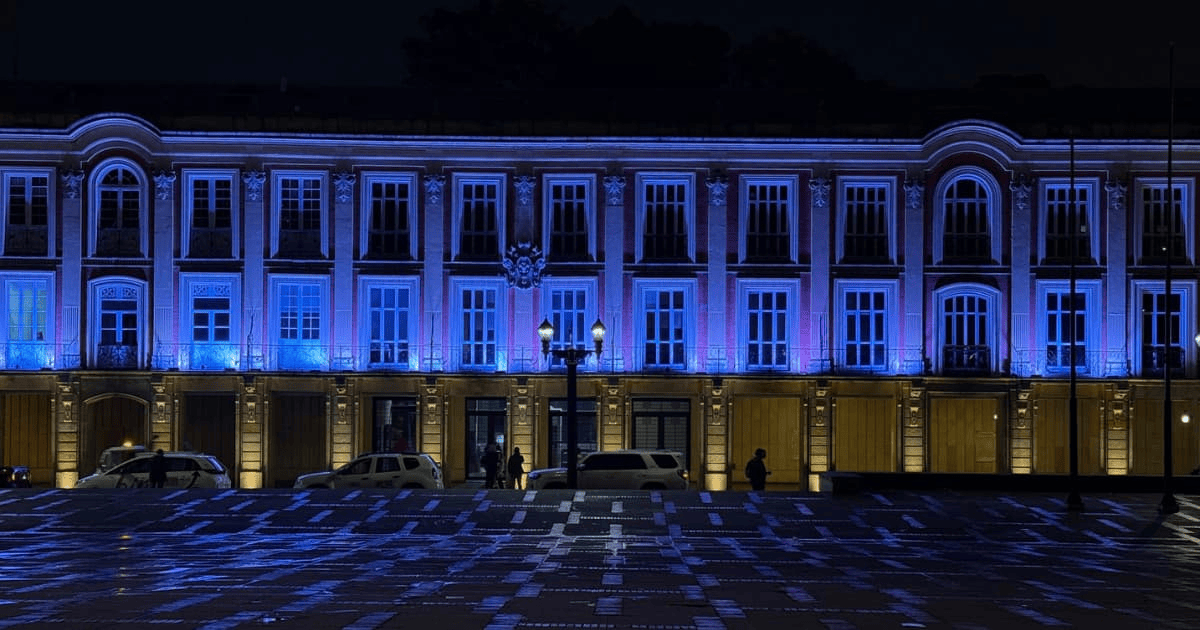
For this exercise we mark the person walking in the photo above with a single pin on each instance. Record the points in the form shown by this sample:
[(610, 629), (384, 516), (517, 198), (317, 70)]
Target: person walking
[(158, 470), (491, 465), (756, 470), (516, 468)]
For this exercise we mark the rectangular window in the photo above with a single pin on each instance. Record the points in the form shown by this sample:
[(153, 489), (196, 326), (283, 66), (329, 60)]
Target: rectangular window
[(389, 309), (665, 221), (479, 238), (1162, 223), (965, 320), (118, 333), (211, 225), (865, 317), (1161, 336), (767, 323), (299, 311), (27, 314), (209, 312), (664, 311), (300, 217), (768, 221), (300, 316), (390, 221), (568, 315), (865, 222), (1067, 222), (586, 417), (568, 207), (479, 321), (27, 204), (1065, 336), (210, 319)]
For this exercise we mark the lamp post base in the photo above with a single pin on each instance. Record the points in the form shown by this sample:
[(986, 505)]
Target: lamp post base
[(1168, 505)]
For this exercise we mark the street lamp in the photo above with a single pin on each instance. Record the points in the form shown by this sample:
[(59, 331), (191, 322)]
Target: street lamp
[(572, 357)]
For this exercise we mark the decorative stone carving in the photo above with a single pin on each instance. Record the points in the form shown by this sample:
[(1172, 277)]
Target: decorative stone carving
[(71, 181), (254, 184), (614, 190), (343, 185), (717, 186), (1116, 195), (820, 191), (434, 184), (524, 187), (164, 185), (914, 194), (523, 266), (1020, 188)]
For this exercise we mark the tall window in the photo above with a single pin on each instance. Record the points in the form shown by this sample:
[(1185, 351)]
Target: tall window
[(966, 234), (864, 220), (665, 214), (209, 213), (389, 213), (1162, 221), (1065, 333), (390, 314), (118, 208), (666, 323), (965, 326), (865, 337), (118, 305), (28, 336), (478, 333), (568, 315), (768, 226), (479, 218), (766, 328), (1161, 334), (586, 423), (299, 209), (569, 215), (1067, 225), (27, 214), (300, 316), (210, 316)]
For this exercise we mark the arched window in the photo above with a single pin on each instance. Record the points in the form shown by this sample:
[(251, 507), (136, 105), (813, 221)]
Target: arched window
[(118, 211), (968, 217), (965, 329), (118, 323)]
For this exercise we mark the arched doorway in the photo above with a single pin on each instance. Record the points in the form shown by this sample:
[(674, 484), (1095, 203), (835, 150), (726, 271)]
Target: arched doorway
[(110, 421)]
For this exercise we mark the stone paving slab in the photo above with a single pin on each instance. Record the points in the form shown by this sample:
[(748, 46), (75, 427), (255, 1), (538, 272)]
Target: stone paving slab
[(572, 559)]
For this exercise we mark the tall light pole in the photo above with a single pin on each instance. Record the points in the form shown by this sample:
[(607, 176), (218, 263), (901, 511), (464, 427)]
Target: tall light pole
[(572, 356), (1169, 505), (1074, 502)]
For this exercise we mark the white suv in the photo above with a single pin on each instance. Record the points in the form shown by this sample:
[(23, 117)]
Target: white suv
[(184, 470), (379, 470), (619, 470)]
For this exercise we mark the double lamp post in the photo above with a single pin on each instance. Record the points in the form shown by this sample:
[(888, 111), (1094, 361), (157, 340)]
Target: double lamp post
[(572, 356)]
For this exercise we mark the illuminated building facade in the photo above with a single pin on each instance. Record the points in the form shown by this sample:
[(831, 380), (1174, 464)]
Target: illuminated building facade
[(288, 300)]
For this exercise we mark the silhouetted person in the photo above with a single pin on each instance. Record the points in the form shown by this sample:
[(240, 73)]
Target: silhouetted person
[(756, 470), (516, 468), (491, 465), (158, 470)]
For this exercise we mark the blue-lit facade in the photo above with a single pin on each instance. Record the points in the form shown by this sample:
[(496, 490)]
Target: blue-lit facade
[(288, 300)]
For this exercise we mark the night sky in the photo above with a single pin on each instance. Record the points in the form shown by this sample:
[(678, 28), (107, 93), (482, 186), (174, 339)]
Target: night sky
[(929, 44)]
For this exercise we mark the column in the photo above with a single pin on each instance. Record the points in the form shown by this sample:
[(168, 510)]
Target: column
[(818, 303), (1116, 344), (523, 263), (165, 349), (434, 325), (1022, 360), (68, 350), (620, 332), (913, 300), (721, 348), (343, 272), (253, 281)]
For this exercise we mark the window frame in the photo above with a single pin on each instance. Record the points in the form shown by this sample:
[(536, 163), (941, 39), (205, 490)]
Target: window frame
[(365, 285), (190, 176), (323, 344), (1092, 326), (689, 210), (143, 187), (590, 288), (51, 208), (46, 346), (95, 289), (588, 181), (457, 339), (189, 282), (1187, 184), (845, 182), (277, 178), (792, 184), (369, 178), (459, 180), (995, 220), (891, 337), (1186, 289), (1090, 209), (990, 295), (642, 286), (792, 330)]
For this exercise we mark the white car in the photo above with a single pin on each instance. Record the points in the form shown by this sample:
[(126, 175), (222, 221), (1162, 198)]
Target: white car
[(379, 470), (184, 470), (619, 470)]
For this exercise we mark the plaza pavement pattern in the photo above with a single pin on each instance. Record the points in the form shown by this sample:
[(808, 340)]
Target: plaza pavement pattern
[(508, 559)]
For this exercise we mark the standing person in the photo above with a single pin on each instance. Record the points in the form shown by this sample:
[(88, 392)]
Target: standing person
[(491, 465), (158, 469), (756, 470), (516, 468)]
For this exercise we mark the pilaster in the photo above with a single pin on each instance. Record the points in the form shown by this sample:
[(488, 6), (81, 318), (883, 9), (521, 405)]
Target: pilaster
[(433, 410), (715, 461), (613, 414), (1116, 434), (66, 441), (71, 291), (1021, 334), (253, 281), (820, 414), (818, 304), (163, 353), (521, 420), (162, 416), (720, 359), (1116, 299), (913, 434), (250, 434), (434, 325), (343, 271), (614, 275), (914, 277), (343, 411), (1020, 429)]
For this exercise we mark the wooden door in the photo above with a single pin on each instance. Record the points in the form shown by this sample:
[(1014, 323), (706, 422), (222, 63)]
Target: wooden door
[(962, 435), (864, 434), (1146, 439), (209, 425), (109, 422), (774, 423), (26, 436), (298, 438), (1052, 435)]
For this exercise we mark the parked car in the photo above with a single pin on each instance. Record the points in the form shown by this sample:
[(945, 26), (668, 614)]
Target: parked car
[(115, 455), (184, 470), (15, 477), (379, 470), (619, 470)]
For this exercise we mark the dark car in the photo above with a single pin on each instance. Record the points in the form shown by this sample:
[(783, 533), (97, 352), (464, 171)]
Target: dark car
[(15, 477)]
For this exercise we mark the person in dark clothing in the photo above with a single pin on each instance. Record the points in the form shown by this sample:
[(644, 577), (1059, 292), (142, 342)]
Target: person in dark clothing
[(158, 470), (491, 464), (516, 468), (756, 470)]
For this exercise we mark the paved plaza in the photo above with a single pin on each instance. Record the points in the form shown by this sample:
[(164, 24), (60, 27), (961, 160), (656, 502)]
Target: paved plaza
[(508, 559)]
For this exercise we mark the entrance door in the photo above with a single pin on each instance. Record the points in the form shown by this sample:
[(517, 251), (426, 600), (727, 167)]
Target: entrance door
[(110, 422), (486, 418), (663, 424), (394, 424), (26, 436), (210, 426), (298, 442), (585, 421)]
